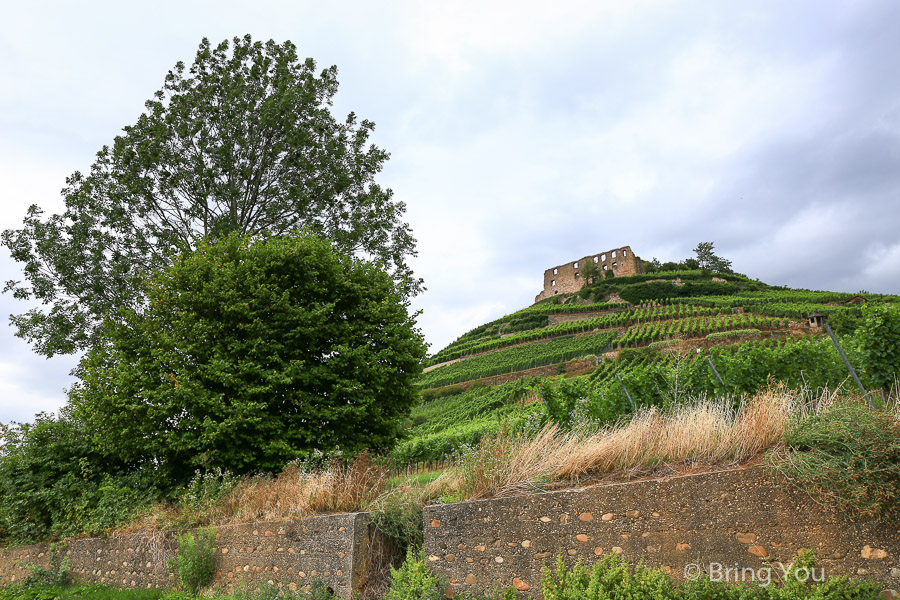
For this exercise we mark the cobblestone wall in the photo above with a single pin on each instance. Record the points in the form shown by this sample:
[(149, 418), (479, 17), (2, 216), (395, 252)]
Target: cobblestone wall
[(342, 550), (741, 517)]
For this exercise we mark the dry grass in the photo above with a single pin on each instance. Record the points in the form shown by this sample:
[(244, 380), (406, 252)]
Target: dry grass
[(705, 432), (295, 493), (697, 435)]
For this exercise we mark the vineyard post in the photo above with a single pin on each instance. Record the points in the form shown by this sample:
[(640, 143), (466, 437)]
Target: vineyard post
[(847, 362), (714, 370), (627, 395)]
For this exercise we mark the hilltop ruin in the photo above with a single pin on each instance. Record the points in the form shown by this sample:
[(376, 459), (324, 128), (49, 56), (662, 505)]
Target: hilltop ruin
[(566, 279)]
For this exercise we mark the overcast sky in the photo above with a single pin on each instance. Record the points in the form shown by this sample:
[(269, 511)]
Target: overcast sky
[(522, 134)]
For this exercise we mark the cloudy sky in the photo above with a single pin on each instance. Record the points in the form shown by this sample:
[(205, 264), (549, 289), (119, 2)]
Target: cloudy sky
[(522, 134)]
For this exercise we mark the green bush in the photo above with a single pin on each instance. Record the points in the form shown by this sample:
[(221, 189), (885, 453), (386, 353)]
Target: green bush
[(848, 456), (878, 341), (57, 574), (400, 518), (734, 333), (55, 482), (197, 559), (611, 577), (414, 581)]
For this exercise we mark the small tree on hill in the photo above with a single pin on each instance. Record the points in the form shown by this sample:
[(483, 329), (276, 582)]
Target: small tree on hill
[(252, 353), (590, 272), (708, 260)]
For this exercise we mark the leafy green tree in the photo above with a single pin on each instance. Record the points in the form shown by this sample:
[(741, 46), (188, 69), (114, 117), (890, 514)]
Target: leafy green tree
[(590, 272), (708, 261), (241, 141), (878, 341), (253, 352)]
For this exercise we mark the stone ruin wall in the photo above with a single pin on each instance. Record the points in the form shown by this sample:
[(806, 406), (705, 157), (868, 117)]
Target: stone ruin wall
[(342, 550), (745, 517), (566, 279)]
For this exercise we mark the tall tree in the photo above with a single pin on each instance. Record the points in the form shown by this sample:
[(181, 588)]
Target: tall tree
[(252, 353), (241, 141)]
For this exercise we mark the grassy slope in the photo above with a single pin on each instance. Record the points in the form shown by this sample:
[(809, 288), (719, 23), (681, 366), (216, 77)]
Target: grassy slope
[(450, 419)]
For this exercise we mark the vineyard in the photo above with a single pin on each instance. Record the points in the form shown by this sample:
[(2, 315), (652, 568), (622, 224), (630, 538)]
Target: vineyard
[(734, 338)]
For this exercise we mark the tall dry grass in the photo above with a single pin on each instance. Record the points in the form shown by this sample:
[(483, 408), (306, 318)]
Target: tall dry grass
[(295, 493), (705, 432)]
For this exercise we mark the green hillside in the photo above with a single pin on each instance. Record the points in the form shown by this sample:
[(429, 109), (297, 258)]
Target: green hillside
[(660, 338)]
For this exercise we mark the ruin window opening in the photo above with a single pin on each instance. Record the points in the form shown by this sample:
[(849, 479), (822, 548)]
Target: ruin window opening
[(624, 253), (596, 258), (603, 257), (576, 265), (613, 253), (605, 267), (615, 265), (553, 282), (555, 271)]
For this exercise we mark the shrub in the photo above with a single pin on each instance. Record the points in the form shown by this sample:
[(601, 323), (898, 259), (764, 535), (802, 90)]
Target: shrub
[(847, 455), (57, 574), (735, 333), (878, 341), (197, 559), (414, 581)]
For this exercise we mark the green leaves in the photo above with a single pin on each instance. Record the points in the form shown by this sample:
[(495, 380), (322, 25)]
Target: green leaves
[(253, 352), (878, 342), (241, 141)]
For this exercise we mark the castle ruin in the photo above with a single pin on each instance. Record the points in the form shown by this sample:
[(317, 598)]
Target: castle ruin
[(566, 279)]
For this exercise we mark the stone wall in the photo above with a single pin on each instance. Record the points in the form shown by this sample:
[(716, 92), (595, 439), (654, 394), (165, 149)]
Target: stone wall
[(342, 550), (743, 517), (566, 279)]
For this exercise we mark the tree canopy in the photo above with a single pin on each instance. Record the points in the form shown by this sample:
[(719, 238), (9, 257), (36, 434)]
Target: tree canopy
[(707, 259), (241, 141), (251, 353)]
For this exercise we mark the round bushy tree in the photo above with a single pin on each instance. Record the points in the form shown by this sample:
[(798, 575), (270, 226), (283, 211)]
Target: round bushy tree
[(253, 352)]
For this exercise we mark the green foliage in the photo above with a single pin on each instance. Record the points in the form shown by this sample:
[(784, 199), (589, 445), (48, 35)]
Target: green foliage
[(260, 351), (83, 592), (590, 272), (56, 575), (54, 483), (848, 456), (708, 260), (241, 141), (452, 423), (611, 577), (414, 581), (197, 559), (878, 341), (399, 517), (517, 358), (734, 333)]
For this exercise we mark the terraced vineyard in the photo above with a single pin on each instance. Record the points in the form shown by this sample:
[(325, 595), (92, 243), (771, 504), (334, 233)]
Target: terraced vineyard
[(740, 336)]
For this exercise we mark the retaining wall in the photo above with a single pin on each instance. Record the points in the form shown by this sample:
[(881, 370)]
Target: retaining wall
[(343, 550), (743, 517)]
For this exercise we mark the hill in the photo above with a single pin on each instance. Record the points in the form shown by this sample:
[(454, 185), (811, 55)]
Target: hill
[(622, 343)]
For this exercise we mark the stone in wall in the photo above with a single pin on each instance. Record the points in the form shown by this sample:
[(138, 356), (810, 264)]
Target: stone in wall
[(566, 279), (742, 517), (339, 549)]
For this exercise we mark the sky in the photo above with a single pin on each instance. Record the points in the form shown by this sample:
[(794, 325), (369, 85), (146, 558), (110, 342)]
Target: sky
[(522, 135)]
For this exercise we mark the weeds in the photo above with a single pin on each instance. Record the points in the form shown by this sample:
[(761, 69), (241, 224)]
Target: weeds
[(197, 559), (848, 456)]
